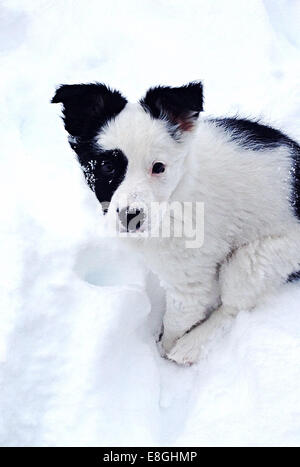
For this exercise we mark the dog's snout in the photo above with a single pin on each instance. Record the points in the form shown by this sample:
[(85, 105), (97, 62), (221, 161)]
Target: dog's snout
[(131, 219)]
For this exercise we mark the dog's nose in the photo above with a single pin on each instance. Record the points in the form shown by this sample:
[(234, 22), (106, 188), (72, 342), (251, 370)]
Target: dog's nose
[(131, 219)]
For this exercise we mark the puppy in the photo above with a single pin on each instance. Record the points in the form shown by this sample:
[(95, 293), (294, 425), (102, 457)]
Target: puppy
[(245, 175)]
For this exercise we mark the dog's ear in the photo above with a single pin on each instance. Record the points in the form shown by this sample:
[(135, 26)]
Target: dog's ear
[(86, 107), (180, 106)]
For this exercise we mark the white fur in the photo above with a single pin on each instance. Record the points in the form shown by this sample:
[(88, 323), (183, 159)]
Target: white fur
[(251, 236)]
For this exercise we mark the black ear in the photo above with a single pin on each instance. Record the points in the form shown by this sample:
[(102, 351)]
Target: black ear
[(86, 107), (180, 106)]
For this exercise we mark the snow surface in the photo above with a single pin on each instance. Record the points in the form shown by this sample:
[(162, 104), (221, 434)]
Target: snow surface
[(79, 364)]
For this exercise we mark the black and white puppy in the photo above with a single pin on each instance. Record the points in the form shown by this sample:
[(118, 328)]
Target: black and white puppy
[(247, 176)]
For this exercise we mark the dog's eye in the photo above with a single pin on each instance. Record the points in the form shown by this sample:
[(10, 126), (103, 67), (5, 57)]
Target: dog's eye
[(107, 168), (158, 168)]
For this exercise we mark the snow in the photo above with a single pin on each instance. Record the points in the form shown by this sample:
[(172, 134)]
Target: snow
[(79, 315)]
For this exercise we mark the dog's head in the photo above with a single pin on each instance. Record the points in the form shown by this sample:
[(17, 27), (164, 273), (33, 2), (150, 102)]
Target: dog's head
[(132, 155)]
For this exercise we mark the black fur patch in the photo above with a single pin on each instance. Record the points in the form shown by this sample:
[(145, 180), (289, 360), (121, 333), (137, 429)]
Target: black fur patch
[(257, 137), (294, 277), (179, 106), (87, 107), (296, 177), (251, 134), (104, 170)]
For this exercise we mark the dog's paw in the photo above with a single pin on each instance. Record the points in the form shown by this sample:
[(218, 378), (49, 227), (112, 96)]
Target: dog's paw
[(159, 334), (186, 351), (198, 341), (165, 345), (161, 349)]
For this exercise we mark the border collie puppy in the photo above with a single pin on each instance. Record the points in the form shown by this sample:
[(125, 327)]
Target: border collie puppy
[(247, 176)]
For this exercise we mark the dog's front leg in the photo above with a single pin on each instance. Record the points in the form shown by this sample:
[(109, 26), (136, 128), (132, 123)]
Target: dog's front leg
[(185, 310), (178, 319)]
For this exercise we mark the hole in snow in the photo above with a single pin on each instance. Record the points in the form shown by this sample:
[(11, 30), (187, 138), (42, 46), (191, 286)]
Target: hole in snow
[(105, 265)]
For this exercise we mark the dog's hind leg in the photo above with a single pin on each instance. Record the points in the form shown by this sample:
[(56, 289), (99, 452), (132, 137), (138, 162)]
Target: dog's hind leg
[(251, 273)]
